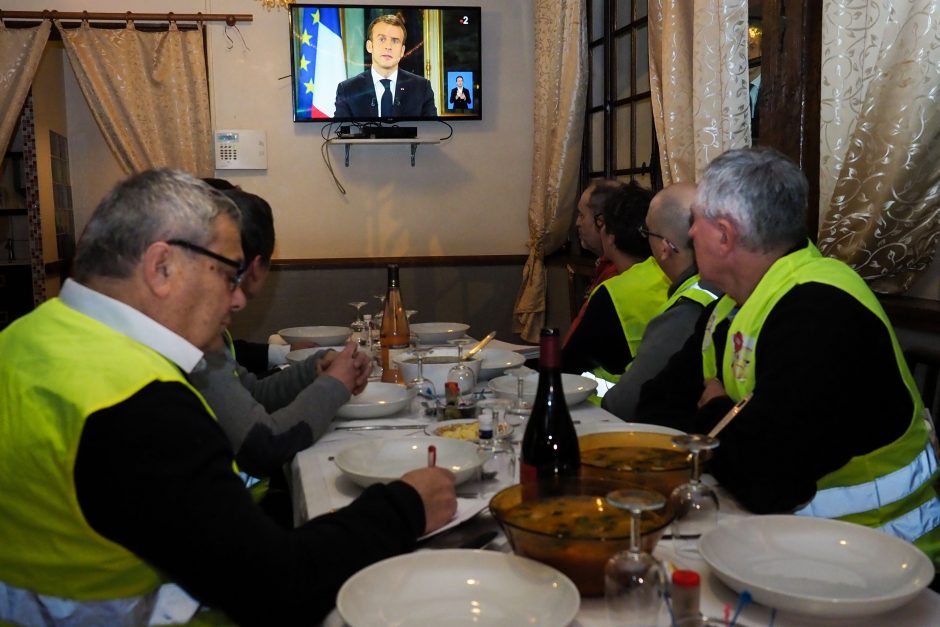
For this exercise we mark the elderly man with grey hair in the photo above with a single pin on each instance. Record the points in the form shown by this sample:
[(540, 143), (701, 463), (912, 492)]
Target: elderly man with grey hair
[(835, 425), (115, 475)]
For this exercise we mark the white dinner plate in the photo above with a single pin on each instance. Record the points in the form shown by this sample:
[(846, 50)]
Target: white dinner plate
[(816, 566), (378, 399), (301, 354), (458, 587), (381, 460), (496, 361), (577, 388), (438, 332), (324, 336), (462, 429)]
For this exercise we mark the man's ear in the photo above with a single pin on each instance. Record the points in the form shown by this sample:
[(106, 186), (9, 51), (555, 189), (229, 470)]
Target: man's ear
[(159, 268), (255, 268), (369, 46), (729, 235)]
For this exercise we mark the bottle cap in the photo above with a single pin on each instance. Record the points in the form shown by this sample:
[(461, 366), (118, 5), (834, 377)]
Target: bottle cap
[(688, 578)]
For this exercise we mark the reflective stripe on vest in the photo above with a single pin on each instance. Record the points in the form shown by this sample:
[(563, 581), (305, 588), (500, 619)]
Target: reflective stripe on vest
[(854, 499), (915, 523)]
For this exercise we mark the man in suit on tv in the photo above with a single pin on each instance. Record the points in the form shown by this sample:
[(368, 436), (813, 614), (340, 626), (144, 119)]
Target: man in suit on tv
[(385, 90), (460, 96)]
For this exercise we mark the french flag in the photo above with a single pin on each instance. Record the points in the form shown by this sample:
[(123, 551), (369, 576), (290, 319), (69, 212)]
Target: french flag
[(322, 64)]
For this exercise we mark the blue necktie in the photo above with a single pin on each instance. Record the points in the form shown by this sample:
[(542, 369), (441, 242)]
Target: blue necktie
[(386, 110)]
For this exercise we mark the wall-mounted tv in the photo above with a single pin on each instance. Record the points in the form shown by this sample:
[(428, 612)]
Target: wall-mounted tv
[(414, 63)]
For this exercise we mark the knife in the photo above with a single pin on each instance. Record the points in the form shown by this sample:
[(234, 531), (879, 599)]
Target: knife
[(479, 346), (376, 427)]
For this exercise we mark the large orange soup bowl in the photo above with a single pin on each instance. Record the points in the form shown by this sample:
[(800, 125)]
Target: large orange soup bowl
[(570, 526), (646, 459)]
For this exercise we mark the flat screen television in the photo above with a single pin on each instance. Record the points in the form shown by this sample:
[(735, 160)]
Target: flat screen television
[(438, 74)]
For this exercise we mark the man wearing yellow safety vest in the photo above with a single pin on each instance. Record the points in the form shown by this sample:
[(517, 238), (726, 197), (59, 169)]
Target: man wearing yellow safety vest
[(114, 473), (835, 426), (667, 229), (618, 310)]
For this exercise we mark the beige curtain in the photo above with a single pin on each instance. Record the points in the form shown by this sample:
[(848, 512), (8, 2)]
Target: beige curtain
[(20, 52), (559, 102), (879, 155), (148, 92), (699, 82)]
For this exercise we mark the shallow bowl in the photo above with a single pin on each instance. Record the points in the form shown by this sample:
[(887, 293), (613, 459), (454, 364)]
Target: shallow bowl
[(324, 336), (382, 460), (577, 388), (438, 332), (603, 531), (378, 399), (496, 361)]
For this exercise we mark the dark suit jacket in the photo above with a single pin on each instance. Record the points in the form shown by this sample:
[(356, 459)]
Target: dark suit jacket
[(460, 104), (355, 97)]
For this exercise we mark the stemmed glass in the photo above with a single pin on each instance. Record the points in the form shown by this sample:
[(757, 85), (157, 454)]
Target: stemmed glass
[(426, 393), (358, 326), (520, 408), (409, 313), (695, 504), (634, 580), (381, 299), (462, 374)]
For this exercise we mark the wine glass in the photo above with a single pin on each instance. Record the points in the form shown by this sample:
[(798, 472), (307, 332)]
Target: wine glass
[(695, 504), (381, 299), (409, 313), (425, 400), (634, 580), (462, 374), (358, 304), (520, 408)]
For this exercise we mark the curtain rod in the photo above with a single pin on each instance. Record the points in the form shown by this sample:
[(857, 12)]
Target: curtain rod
[(228, 18)]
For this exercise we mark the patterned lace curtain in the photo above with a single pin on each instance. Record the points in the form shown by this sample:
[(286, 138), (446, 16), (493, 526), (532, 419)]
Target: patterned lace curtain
[(559, 102), (148, 93), (879, 173), (20, 52), (699, 82)]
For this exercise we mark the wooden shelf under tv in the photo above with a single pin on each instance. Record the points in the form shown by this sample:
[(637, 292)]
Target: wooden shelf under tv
[(414, 141)]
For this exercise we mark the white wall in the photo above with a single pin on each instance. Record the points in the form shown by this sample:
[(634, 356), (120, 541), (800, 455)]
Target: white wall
[(466, 196)]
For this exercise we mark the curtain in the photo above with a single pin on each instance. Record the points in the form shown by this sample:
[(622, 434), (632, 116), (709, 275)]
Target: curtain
[(559, 105), (148, 93), (699, 82), (879, 174), (20, 52)]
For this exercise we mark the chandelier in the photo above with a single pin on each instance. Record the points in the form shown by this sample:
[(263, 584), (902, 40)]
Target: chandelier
[(274, 4)]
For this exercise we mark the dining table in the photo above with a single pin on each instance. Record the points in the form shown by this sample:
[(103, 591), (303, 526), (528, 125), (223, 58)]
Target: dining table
[(318, 486)]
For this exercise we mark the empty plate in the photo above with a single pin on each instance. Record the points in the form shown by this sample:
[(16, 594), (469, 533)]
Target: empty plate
[(816, 566), (324, 336), (458, 587), (577, 388), (438, 332), (378, 399), (496, 361), (382, 460)]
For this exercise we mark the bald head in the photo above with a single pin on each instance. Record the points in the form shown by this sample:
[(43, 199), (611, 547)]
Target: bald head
[(670, 214)]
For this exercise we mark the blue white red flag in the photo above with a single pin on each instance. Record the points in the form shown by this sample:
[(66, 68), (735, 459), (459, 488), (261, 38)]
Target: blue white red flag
[(321, 65)]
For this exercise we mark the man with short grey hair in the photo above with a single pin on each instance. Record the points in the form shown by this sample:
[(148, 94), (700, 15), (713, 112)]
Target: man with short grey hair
[(835, 425), (114, 473)]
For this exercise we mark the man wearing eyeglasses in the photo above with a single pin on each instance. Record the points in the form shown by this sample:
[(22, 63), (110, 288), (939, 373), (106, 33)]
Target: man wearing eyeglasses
[(667, 229), (385, 90), (619, 309), (114, 473)]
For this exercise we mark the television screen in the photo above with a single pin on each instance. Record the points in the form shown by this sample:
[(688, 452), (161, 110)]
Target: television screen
[(359, 63)]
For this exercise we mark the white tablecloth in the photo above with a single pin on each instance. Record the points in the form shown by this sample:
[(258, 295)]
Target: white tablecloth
[(320, 487)]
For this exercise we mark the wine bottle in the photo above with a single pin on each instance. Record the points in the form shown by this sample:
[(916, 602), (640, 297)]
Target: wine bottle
[(550, 444), (394, 333)]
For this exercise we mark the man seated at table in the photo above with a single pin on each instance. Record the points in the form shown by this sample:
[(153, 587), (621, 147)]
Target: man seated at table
[(619, 309), (589, 214), (114, 473), (268, 420), (667, 229), (835, 427)]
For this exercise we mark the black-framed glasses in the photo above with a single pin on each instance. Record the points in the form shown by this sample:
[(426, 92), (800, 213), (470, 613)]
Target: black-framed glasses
[(234, 280), (645, 232)]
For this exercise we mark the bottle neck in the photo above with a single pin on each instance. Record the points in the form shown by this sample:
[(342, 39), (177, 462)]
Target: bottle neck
[(549, 353)]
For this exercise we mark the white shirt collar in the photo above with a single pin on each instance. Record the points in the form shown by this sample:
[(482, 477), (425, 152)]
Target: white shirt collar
[(130, 322)]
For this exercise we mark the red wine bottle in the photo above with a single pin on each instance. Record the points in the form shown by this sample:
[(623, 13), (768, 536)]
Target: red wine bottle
[(550, 444)]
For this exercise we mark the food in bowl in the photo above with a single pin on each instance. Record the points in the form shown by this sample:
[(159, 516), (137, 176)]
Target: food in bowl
[(465, 430), (570, 526), (646, 459)]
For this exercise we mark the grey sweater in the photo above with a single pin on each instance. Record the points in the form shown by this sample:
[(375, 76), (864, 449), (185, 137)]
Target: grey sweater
[(268, 420)]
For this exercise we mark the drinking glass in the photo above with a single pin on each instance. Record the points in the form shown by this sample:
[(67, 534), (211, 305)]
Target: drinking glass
[(695, 504), (462, 374), (634, 580), (358, 304), (425, 400), (498, 470), (381, 299), (409, 313), (520, 408)]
